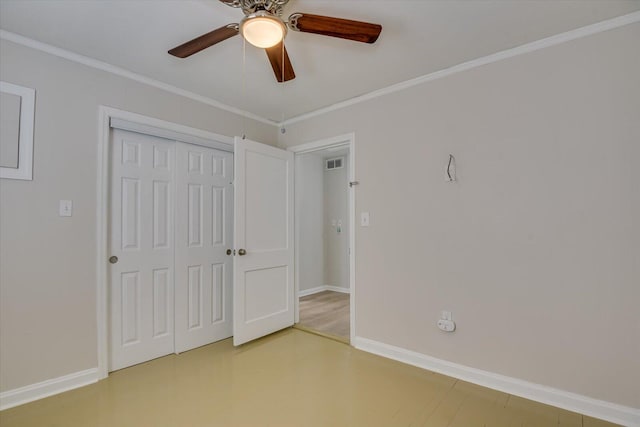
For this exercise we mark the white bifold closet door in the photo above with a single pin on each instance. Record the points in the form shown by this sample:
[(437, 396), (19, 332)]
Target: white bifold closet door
[(204, 233), (170, 225), (141, 232)]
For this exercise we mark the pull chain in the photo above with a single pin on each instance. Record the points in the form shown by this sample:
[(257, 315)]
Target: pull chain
[(244, 87), (282, 92)]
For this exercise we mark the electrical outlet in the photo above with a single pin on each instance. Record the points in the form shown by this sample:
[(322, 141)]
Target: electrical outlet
[(446, 325)]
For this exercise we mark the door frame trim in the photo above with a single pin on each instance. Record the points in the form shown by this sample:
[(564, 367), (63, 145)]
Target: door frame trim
[(173, 131), (346, 140)]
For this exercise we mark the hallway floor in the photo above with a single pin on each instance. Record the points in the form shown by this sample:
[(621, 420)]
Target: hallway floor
[(326, 312)]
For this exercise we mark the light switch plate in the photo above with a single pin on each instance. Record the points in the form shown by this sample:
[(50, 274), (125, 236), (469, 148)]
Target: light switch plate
[(66, 208), (364, 219)]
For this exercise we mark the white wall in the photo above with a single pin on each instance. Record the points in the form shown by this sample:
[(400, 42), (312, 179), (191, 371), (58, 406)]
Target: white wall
[(309, 220), (336, 208), (47, 263), (536, 249)]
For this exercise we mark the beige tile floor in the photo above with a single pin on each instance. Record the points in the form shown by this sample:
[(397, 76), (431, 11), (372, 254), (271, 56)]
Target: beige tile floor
[(291, 378)]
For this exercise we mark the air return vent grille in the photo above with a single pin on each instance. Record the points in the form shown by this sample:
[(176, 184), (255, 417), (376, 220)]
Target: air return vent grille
[(335, 163)]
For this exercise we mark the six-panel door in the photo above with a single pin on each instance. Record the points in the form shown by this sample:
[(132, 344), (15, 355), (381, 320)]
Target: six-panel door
[(204, 233), (141, 238)]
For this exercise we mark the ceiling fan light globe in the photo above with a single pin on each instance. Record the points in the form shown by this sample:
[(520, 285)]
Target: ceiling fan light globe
[(263, 30)]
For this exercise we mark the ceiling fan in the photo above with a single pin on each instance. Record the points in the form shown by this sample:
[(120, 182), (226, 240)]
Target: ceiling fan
[(263, 26)]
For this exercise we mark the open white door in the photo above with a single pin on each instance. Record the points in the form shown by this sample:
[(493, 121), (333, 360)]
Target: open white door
[(263, 289)]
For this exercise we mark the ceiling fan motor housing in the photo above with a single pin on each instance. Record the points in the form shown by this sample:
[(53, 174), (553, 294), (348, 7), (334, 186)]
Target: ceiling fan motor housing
[(250, 7)]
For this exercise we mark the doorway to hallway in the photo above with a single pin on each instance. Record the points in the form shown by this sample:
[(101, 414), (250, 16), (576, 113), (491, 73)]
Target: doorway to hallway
[(323, 228)]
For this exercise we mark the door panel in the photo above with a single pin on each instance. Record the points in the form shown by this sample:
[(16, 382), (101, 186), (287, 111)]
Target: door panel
[(141, 282), (266, 292), (161, 297), (161, 213), (263, 278), (204, 232), (266, 229)]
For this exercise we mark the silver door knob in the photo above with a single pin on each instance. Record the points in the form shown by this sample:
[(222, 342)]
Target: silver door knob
[(242, 252), (113, 259)]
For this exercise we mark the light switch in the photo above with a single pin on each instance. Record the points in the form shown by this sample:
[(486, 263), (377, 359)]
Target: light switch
[(66, 208), (364, 219)]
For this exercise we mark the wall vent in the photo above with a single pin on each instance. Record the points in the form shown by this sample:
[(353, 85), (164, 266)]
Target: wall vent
[(335, 163)]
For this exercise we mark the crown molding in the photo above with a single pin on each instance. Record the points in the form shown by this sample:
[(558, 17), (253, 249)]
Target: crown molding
[(109, 68), (598, 27), (557, 39)]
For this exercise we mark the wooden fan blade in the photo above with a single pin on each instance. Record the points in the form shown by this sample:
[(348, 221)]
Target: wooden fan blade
[(283, 70), (204, 41), (335, 27)]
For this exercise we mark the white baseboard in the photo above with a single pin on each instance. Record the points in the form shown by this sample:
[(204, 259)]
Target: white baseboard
[(323, 288), (338, 289), (311, 291), (563, 399), (26, 394)]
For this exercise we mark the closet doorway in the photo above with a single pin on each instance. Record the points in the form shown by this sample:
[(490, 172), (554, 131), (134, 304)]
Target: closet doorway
[(171, 225), (176, 198), (324, 239)]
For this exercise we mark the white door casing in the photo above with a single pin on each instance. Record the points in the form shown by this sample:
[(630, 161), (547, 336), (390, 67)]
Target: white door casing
[(204, 232), (141, 237), (263, 291)]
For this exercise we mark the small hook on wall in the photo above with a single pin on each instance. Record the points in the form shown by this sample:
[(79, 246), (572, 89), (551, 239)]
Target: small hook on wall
[(451, 169)]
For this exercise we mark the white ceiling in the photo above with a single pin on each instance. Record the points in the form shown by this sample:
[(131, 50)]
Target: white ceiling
[(418, 38)]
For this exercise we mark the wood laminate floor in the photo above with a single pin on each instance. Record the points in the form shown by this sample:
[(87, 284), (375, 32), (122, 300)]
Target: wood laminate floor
[(291, 378), (326, 312)]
